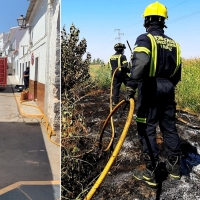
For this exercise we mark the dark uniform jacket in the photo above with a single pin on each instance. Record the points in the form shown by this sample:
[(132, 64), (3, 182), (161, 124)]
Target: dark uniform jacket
[(26, 72), (117, 60), (150, 63)]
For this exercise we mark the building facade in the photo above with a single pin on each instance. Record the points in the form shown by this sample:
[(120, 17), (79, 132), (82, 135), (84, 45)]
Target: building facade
[(39, 49), (3, 40), (10, 50)]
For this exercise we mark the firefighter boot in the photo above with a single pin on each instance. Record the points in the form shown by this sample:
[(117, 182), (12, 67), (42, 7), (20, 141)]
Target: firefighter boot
[(173, 167), (148, 175)]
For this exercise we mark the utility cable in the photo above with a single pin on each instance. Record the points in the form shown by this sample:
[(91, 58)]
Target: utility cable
[(185, 16), (177, 5), (174, 20), (104, 44)]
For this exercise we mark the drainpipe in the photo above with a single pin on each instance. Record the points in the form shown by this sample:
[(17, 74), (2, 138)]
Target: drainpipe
[(48, 80), (30, 38)]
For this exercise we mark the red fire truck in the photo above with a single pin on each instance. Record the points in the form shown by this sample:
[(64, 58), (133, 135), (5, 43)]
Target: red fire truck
[(3, 72)]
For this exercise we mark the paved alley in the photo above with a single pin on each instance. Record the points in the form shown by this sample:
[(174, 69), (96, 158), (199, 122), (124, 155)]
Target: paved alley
[(30, 162)]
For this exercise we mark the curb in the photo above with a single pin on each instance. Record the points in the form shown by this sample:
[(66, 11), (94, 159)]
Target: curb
[(17, 98), (50, 132), (17, 184)]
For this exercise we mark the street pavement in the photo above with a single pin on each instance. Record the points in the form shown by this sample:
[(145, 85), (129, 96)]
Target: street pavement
[(30, 161)]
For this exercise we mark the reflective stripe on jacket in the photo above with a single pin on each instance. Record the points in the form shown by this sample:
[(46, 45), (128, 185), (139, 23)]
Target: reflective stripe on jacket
[(117, 60), (153, 56)]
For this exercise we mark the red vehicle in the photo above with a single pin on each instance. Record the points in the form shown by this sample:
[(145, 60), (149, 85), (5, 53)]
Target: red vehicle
[(3, 72)]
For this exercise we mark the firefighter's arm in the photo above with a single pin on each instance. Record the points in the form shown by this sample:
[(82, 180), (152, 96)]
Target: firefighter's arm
[(25, 75), (130, 89), (110, 67), (140, 62), (124, 64), (176, 77), (140, 58)]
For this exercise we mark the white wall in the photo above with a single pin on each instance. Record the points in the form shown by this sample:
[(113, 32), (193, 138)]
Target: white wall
[(39, 52), (38, 21), (53, 86), (23, 55), (16, 65), (35, 39)]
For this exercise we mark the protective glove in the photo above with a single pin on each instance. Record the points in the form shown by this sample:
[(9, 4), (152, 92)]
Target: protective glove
[(130, 93), (126, 70)]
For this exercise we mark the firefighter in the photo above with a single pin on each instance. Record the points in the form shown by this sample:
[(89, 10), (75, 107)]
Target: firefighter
[(156, 65), (116, 60)]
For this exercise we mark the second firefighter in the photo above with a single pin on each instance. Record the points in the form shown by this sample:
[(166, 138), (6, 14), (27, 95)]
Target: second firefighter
[(117, 60)]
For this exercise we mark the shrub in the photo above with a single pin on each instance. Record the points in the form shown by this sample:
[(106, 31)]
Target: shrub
[(75, 82)]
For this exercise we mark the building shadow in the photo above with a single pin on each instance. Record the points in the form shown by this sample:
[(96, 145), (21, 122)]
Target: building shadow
[(24, 157)]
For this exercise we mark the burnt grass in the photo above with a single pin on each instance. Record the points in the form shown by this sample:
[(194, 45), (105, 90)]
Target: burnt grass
[(119, 183)]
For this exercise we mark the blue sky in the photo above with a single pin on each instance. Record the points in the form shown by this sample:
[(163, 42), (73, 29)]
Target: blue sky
[(99, 19), (10, 11)]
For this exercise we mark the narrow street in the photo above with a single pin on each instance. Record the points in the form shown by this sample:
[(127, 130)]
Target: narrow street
[(30, 162)]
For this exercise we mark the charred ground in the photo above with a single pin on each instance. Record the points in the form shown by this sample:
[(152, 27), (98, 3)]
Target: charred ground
[(86, 164)]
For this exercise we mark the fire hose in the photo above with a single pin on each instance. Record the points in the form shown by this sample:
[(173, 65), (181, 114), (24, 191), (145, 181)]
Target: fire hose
[(120, 142), (117, 148)]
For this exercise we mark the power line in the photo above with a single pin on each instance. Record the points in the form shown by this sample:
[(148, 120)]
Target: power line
[(185, 16), (179, 18), (168, 9), (174, 20), (103, 44), (177, 5)]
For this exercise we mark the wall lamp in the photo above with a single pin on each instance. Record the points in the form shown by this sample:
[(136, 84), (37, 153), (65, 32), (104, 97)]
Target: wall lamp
[(22, 22)]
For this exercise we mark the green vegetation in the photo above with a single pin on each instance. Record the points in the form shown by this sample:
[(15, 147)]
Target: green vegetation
[(97, 61), (75, 80), (188, 90), (101, 75)]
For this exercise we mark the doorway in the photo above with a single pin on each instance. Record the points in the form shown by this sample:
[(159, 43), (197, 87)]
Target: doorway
[(36, 78)]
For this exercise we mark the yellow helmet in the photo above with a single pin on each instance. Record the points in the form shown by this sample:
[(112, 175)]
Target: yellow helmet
[(156, 9)]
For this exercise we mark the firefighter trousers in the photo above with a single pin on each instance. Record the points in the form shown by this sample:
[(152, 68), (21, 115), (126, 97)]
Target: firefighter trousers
[(156, 107), (119, 78)]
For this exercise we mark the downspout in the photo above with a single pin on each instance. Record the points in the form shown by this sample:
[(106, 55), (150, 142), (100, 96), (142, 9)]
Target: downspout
[(30, 38), (48, 33)]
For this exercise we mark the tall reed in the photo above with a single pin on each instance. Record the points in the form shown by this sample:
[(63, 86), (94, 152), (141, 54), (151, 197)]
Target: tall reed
[(188, 89)]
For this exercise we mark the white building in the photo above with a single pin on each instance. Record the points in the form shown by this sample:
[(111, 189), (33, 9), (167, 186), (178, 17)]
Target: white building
[(40, 50), (3, 39), (11, 46)]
